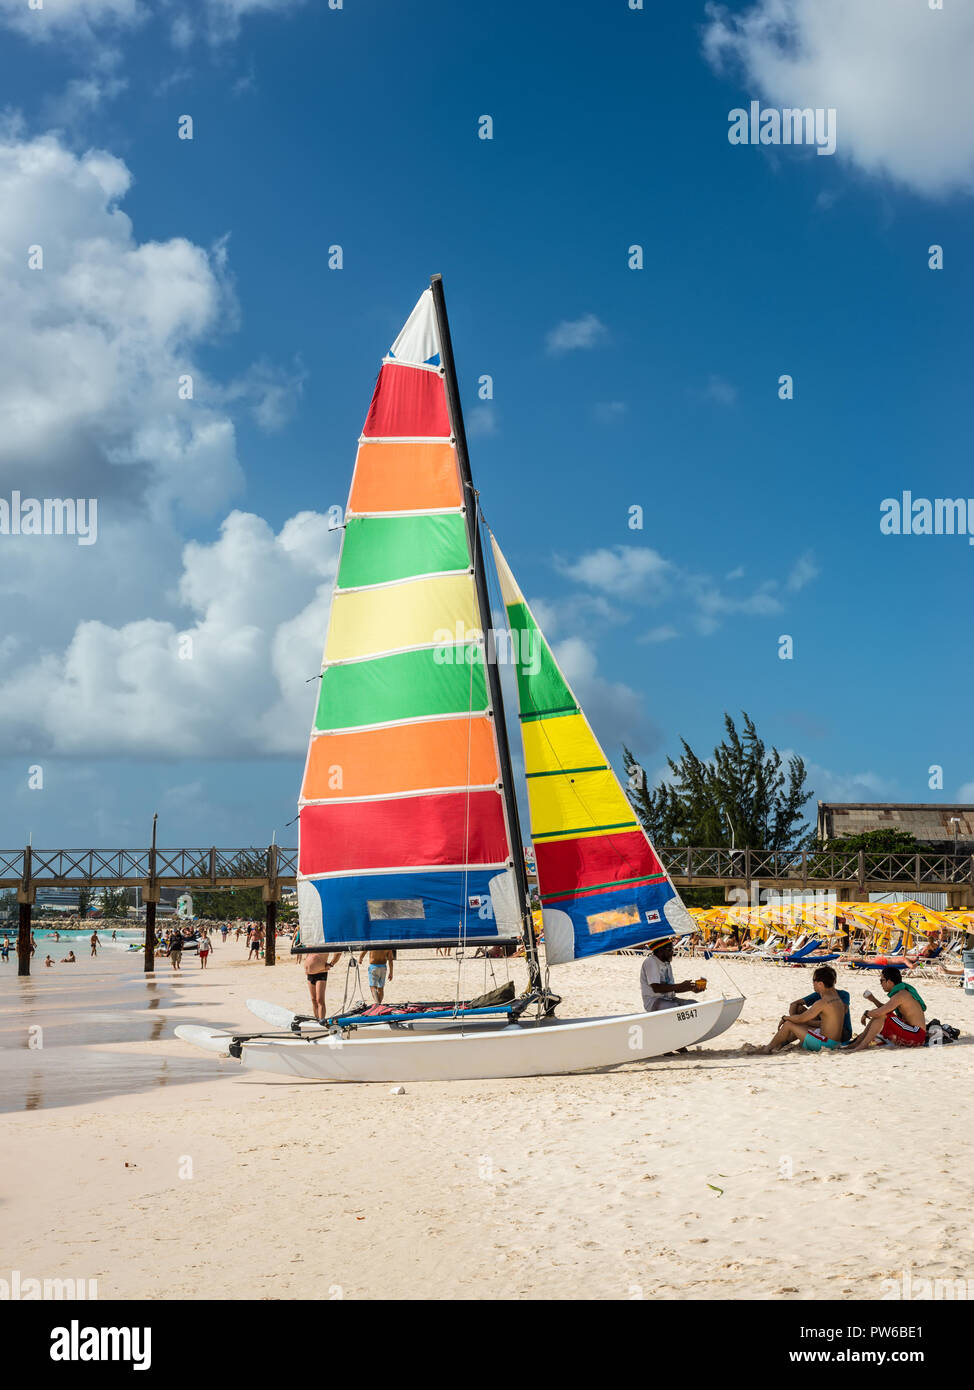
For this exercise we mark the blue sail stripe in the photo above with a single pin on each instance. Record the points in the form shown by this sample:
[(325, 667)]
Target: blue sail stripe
[(446, 897)]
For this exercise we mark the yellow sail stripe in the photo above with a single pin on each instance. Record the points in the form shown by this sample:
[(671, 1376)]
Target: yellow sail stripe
[(550, 745), (577, 802), (396, 616)]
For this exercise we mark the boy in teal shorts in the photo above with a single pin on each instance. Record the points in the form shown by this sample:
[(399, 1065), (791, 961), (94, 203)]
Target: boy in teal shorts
[(819, 1026)]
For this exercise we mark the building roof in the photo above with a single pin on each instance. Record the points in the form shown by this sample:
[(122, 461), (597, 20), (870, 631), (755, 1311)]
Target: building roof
[(931, 821)]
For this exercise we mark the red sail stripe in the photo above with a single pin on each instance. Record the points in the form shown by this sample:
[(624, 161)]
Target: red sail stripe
[(449, 828), (567, 865), (408, 403)]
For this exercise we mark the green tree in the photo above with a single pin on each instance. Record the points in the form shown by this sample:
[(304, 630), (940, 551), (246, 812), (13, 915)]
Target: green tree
[(85, 898), (889, 841), (223, 904), (875, 844), (287, 912), (744, 787), (114, 902)]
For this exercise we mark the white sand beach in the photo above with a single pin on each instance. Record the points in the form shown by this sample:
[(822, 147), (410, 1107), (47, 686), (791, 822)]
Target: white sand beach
[(709, 1175)]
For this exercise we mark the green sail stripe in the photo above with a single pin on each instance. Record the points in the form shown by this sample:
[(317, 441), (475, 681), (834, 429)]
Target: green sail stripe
[(593, 887), (540, 691), (564, 771), (586, 830), (550, 713), (380, 549), (405, 685)]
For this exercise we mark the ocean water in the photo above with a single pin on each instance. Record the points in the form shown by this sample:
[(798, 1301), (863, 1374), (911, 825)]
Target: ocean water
[(58, 1024), (74, 940)]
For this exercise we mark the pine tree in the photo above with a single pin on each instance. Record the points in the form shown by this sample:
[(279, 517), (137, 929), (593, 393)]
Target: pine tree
[(744, 782)]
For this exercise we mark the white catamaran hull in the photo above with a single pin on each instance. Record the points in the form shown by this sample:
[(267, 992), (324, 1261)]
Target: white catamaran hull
[(542, 1048)]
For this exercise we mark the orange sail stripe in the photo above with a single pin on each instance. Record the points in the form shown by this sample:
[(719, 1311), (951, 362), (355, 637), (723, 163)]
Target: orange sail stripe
[(404, 758), (394, 477)]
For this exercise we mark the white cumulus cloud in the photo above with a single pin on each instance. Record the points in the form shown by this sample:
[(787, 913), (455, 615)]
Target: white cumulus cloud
[(897, 72), (70, 20), (229, 680), (572, 334)]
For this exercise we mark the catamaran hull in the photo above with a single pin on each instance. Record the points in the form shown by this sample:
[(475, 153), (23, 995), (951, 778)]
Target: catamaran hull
[(729, 1013), (545, 1048)]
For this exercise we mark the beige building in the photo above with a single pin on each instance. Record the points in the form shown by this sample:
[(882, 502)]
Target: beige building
[(940, 827)]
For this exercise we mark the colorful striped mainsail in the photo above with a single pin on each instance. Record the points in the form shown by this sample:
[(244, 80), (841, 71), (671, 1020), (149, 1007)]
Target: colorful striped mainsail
[(403, 831), (602, 885)]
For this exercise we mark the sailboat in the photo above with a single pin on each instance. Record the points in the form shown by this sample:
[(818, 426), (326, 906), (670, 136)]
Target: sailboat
[(409, 826)]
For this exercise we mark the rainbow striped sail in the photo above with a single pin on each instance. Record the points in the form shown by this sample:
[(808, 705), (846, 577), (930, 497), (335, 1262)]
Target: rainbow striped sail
[(403, 835), (602, 886)]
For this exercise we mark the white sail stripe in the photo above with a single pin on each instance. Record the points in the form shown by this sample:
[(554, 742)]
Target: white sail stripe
[(396, 651), (408, 869), (407, 579), (407, 439), (418, 511), (397, 796), (397, 723), (388, 361)]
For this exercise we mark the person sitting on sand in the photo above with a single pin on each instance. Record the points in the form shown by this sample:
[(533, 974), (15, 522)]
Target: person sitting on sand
[(901, 1020), (69, 959), (798, 1006), (49, 962), (819, 1027), (316, 967), (656, 981), (379, 963)]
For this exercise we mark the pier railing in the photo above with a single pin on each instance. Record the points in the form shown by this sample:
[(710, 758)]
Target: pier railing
[(29, 869), (826, 869)]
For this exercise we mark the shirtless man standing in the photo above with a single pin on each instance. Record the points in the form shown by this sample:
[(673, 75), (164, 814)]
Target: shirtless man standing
[(817, 1028), (316, 967), (901, 1020), (379, 963)]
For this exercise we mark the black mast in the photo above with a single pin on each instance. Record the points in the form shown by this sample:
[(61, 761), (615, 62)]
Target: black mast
[(448, 368)]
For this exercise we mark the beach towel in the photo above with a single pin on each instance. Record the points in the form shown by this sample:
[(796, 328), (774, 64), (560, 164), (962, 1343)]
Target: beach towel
[(910, 990)]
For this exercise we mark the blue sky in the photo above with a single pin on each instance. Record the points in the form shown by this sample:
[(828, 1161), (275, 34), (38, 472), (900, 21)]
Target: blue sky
[(359, 127)]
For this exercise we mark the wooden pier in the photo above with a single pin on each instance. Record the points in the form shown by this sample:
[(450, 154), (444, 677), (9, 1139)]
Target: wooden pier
[(848, 873)]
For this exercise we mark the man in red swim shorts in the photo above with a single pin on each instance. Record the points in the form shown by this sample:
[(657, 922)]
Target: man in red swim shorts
[(901, 1020)]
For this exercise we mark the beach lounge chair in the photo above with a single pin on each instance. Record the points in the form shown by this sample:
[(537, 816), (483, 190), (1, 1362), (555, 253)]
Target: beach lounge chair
[(799, 956)]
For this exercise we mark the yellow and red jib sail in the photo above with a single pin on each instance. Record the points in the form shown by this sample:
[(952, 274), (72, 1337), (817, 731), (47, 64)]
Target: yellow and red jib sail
[(602, 885)]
